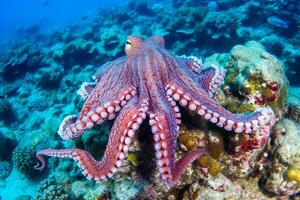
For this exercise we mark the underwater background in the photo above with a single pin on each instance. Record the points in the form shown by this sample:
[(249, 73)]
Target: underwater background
[(49, 48)]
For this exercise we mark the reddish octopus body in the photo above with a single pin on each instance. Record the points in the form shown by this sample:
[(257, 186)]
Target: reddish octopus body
[(148, 82)]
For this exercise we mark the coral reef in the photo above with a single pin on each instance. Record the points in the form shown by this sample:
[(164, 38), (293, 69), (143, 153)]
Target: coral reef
[(222, 188), (6, 147), (282, 178), (50, 77), (293, 104), (5, 169), (6, 110), (51, 190), (22, 58), (256, 75)]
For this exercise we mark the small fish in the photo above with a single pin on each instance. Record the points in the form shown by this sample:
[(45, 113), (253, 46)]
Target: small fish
[(276, 21), (185, 31)]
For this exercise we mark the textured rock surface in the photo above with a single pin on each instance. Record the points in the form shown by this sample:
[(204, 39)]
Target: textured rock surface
[(256, 75), (286, 143)]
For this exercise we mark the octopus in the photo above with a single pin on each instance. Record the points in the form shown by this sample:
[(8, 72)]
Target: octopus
[(149, 83)]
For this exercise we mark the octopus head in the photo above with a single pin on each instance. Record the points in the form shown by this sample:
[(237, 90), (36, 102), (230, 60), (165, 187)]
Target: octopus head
[(133, 44), (158, 40)]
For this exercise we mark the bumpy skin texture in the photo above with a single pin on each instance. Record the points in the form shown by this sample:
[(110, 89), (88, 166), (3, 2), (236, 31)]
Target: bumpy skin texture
[(149, 81)]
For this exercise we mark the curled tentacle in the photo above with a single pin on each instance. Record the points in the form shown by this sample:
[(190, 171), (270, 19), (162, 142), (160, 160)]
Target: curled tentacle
[(72, 126), (214, 112), (131, 116)]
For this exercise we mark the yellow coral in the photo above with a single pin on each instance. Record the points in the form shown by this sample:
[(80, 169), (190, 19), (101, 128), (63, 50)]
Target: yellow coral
[(214, 167), (190, 138), (293, 174), (133, 159), (187, 140), (216, 145)]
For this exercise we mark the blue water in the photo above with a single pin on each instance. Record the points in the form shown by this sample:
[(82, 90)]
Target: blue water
[(16, 15)]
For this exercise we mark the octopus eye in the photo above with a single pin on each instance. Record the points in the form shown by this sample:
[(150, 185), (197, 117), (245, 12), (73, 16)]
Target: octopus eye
[(128, 44), (133, 43)]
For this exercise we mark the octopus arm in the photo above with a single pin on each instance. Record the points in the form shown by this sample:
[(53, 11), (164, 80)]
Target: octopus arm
[(188, 94), (210, 79), (127, 122), (86, 88), (165, 146), (111, 93), (107, 67), (194, 64), (164, 122)]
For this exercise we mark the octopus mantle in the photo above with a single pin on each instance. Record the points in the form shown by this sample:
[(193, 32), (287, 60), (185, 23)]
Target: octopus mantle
[(149, 81)]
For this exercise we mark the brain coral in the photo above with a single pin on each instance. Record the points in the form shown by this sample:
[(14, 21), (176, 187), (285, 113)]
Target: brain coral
[(50, 189), (24, 160)]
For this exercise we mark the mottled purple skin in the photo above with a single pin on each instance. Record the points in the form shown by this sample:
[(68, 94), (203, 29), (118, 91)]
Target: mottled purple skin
[(150, 78)]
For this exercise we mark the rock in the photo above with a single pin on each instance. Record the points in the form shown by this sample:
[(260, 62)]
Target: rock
[(140, 6), (50, 77), (6, 110), (24, 57), (293, 104), (286, 144), (220, 188), (286, 157), (253, 75), (5, 169), (6, 147)]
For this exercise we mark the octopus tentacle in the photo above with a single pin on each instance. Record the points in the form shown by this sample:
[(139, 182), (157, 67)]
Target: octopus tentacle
[(86, 89), (214, 112), (127, 122), (211, 78), (109, 66), (72, 126), (169, 169), (175, 110), (194, 63)]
